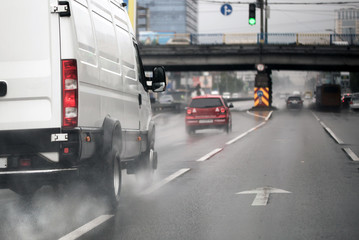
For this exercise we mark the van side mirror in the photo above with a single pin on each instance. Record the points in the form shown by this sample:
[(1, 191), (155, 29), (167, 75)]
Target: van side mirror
[(158, 79)]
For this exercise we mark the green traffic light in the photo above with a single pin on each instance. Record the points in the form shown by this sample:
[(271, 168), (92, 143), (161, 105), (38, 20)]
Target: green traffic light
[(252, 21)]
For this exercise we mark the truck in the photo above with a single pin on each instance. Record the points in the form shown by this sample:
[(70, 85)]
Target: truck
[(74, 98), (328, 96)]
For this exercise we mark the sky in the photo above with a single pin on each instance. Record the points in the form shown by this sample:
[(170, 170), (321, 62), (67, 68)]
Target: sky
[(283, 18)]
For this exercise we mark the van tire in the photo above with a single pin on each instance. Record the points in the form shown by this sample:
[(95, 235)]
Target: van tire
[(112, 179), (146, 166)]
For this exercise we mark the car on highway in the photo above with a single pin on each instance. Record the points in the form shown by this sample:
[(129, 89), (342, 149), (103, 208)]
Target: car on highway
[(235, 95), (354, 103), (166, 99), (346, 98), (226, 95), (294, 102), (208, 111)]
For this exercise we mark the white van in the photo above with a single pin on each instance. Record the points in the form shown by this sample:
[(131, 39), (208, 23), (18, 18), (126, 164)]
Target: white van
[(74, 98)]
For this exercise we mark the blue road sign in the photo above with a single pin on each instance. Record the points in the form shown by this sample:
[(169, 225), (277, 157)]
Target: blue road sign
[(260, 94), (226, 9)]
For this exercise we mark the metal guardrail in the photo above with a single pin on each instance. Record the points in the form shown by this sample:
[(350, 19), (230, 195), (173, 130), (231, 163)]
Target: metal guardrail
[(151, 38)]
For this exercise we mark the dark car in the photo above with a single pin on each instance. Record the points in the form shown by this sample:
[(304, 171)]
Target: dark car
[(346, 98), (294, 102), (209, 111)]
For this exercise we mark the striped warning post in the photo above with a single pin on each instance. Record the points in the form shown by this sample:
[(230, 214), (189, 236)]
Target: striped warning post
[(261, 97)]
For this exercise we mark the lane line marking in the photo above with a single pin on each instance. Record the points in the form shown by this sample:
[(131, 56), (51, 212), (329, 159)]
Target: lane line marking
[(331, 133), (316, 117), (87, 227), (237, 138), (245, 134), (323, 124), (269, 115), (256, 115), (209, 155), (328, 130), (256, 127), (165, 181), (253, 114), (351, 154)]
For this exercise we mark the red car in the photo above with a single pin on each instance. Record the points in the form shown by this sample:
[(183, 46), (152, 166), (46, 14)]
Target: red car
[(209, 111)]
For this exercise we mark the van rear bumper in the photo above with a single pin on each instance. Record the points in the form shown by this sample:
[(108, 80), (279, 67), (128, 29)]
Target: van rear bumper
[(37, 177), (71, 145), (37, 172), (24, 158)]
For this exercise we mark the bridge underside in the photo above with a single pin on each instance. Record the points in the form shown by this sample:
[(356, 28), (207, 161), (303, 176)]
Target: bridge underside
[(245, 57)]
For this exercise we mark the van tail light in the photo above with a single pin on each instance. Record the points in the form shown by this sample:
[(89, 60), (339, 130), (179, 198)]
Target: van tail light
[(69, 93), (223, 110), (189, 111)]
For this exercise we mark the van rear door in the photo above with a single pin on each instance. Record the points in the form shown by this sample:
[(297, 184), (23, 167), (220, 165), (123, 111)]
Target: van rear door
[(30, 65)]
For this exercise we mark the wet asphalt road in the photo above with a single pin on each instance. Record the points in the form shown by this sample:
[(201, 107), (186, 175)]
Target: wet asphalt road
[(291, 151)]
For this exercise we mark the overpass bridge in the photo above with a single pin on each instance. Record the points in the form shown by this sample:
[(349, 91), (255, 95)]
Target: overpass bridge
[(217, 52)]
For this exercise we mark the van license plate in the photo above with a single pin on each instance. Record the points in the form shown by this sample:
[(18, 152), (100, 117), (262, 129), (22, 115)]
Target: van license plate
[(3, 162), (206, 121)]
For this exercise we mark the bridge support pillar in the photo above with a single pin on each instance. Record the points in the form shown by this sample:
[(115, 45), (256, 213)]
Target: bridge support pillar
[(263, 90)]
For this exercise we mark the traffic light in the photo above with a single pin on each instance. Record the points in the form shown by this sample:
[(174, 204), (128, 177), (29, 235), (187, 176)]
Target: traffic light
[(252, 14)]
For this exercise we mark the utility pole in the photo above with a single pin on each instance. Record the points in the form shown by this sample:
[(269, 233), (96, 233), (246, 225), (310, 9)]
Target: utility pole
[(262, 18), (266, 21), (263, 6)]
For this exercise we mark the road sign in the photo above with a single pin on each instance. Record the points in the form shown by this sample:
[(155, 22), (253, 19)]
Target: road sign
[(260, 93), (261, 97), (260, 67), (226, 9), (262, 195)]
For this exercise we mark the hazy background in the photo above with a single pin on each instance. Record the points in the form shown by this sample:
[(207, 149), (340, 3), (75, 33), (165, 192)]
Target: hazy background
[(283, 18)]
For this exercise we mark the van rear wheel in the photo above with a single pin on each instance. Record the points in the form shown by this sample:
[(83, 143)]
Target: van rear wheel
[(111, 186)]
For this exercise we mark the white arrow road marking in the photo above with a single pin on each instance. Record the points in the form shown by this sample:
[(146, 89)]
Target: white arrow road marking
[(262, 194)]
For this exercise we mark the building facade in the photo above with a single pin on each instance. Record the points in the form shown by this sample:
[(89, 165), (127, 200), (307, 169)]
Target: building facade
[(347, 21), (177, 16)]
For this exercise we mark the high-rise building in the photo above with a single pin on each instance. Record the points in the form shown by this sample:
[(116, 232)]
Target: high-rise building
[(178, 16), (347, 21)]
